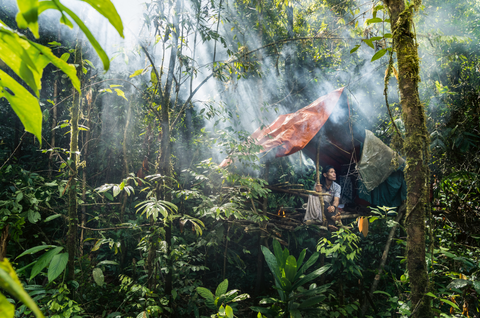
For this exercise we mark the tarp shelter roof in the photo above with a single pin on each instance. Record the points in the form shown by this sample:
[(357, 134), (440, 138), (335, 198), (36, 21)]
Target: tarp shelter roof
[(327, 118)]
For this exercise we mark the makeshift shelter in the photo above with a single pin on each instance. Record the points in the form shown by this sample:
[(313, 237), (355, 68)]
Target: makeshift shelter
[(326, 125)]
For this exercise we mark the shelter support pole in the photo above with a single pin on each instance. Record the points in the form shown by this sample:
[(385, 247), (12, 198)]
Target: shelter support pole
[(322, 205), (401, 210)]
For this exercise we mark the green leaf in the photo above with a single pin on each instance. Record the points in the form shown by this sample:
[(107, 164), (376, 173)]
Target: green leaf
[(382, 292), (229, 311), (108, 196), (301, 258), (430, 294), (277, 250), (205, 293), (369, 43), (450, 303), (209, 298), (290, 268), (378, 55), (7, 309), (107, 263), (65, 57), (27, 16), (374, 20), (45, 55), (476, 285), (101, 53), (23, 103), (57, 266), (98, 276), (35, 249), (221, 288), (120, 93), (107, 9), (458, 283), (116, 190), (137, 72), (33, 216), (311, 302), (307, 265), (10, 283), (354, 49), (311, 276), (52, 217), (44, 261), (271, 262), (15, 53)]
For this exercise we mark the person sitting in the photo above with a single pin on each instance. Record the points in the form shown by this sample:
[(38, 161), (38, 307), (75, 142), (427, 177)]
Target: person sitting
[(332, 200)]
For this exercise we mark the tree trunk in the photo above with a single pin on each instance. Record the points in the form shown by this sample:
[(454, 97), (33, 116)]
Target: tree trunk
[(125, 173), (415, 148), (54, 117), (84, 171), (73, 172)]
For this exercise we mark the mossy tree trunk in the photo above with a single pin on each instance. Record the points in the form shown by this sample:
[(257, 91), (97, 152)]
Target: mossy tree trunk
[(415, 149), (73, 171)]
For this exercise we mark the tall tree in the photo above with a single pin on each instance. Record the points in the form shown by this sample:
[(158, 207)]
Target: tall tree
[(73, 170), (415, 148)]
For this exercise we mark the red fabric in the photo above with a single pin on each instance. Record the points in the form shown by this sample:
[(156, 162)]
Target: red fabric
[(292, 132)]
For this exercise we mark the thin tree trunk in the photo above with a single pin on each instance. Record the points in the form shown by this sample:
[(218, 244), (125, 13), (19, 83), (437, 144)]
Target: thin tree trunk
[(125, 173), (382, 262), (54, 117), (3, 242), (415, 148), (164, 164), (84, 171), (73, 172)]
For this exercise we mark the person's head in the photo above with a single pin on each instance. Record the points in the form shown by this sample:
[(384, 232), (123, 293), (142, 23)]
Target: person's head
[(328, 173)]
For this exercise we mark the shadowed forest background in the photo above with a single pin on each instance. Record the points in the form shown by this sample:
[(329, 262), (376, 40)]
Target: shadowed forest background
[(113, 203)]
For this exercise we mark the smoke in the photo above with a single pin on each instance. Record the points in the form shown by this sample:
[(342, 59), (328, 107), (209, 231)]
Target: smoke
[(252, 101)]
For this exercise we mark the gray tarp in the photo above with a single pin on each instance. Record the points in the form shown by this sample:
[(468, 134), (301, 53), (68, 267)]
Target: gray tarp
[(378, 161)]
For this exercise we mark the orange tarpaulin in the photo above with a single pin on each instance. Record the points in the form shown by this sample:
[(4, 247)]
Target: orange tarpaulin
[(292, 132)]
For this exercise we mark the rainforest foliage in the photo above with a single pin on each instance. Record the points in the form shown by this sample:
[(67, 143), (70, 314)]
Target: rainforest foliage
[(115, 117)]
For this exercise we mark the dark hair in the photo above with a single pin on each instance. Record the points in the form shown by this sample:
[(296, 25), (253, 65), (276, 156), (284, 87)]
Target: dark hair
[(326, 169)]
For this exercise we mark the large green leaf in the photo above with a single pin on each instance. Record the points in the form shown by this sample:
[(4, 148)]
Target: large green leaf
[(101, 53), (458, 283), (44, 54), (11, 284), (57, 266), (107, 9), (55, 4), (7, 310), (27, 16), (13, 51), (311, 302), (307, 265), (311, 276), (291, 268), (205, 293), (44, 261), (301, 257), (228, 311), (272, 263), (36, 249), (277, 250), (98, 276), (222, 288)]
